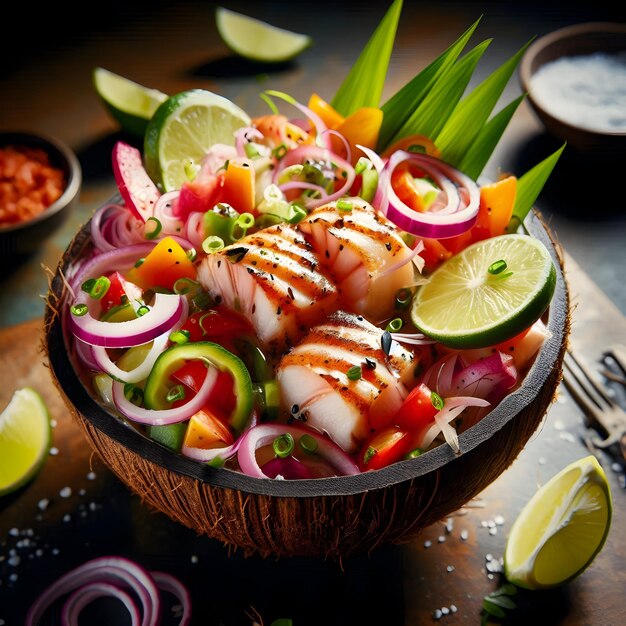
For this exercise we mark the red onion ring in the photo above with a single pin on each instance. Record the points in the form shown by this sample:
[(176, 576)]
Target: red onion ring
[(162, 417), (86, 594), (263, 434), (166, 311), (107, 570), (243, 136), (456, 217)]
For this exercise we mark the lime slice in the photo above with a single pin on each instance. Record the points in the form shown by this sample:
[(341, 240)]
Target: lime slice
[(24, 439), (183, 129), (473, 300), (256, 40), (561, 529), (130, 104)]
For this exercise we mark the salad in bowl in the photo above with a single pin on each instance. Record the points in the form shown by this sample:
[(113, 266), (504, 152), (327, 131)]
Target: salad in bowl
[(314, 294)]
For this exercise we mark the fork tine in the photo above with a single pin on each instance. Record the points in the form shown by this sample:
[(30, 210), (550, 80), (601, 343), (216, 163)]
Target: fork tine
[(593, 389)]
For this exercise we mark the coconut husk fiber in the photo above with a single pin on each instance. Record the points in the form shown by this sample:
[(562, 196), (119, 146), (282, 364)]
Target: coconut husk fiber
[(330, 518)]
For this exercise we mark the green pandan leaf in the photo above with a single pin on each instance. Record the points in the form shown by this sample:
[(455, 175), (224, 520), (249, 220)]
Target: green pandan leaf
[(399, 107), (473, 111), (363, 86), (431, 115), (485, 142), (529, 187)]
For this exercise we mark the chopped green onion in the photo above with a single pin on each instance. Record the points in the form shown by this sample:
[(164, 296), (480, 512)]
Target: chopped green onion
[(283, 445), (87, 286), (142, 310), (416, 148), (437, 400), (245, 221), (190, 169), (394, 325), (361, 165), (186, 285), (138, 263), (154, 233), (403, 298), (370, 453), (175, 393), (133, 393), (202, 301), (308, 443), (212, 244), (79, 310), (251, 150), (344, 205), (354, 373), (201, 321), (179, 336), (192, 253), (280, 151), (296, 214), (497, 266), (270, 103), (413, 454)]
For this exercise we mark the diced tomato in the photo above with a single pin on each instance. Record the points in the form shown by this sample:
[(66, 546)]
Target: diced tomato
[(434, 253), (163, 266), (384, 447), (417, 411), (218, 324), (221, 401), (116, 293), (206, 430), (199, 195)]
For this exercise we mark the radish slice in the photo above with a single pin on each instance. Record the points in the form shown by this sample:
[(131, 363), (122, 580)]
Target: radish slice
[(137, 188)]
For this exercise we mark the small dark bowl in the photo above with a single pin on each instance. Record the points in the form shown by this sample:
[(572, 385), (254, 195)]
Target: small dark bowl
[(24, 238), (572, 41)]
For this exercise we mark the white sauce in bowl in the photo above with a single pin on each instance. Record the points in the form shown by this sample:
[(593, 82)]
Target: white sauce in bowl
[(587, 91)]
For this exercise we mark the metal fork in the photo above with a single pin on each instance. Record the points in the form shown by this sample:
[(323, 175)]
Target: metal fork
[(602, 411)]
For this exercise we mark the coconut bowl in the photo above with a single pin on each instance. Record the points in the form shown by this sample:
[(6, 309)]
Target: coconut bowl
[(328, 517)]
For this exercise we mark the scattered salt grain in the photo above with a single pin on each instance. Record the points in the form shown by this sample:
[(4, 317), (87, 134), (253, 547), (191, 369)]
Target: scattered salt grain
[(55, 551), (464, 534), (441, 539), (82, 492), (53, 423), (445, 610), (91, 476), (67, 517), (450, 568), (194, 559), (586, 90), (449, 525), (66, 492), (437, 614), (428, 543), (53, 451), (14, 532), (43, 504), (13, 577), (499, 520), (453, 608), (493, 531), (14, 561), (567, 437)]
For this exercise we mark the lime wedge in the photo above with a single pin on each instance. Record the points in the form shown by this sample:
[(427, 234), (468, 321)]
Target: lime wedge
[(487, 293), (561, 528), (183, 129), (24, 439), (256, 40), (130, 104)]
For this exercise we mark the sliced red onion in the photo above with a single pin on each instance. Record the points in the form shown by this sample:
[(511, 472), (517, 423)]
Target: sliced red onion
[(263, 434), (89, 592), (156, 417), (344, 141), (120, 259), (317, 153), (172, 585), (112, 576), (107, 570), (452, 408), (162, 316), (194, 228), (455, 217), (164, 211), (374, 157), (140, 372), (243, 136), (84, 353)]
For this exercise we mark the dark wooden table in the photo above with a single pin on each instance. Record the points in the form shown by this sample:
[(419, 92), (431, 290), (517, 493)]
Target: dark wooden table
[(51, 528)]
